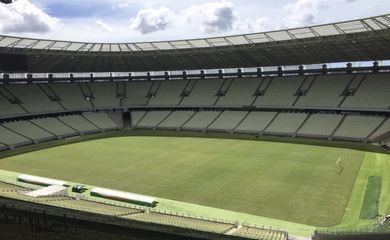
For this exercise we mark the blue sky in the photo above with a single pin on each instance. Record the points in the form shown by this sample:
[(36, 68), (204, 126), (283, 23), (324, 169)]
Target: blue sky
[(132, 20)]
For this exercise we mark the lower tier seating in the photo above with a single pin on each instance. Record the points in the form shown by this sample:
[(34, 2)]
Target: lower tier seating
[(320, 125), (29, 130), (356, 127), (227, 121), (201, 120), (55, 126), (101, 120), (176, 120), (79, 123), (12, 139), (286, 124)]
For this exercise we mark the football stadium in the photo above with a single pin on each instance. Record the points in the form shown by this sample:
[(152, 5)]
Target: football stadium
[(272, 135)]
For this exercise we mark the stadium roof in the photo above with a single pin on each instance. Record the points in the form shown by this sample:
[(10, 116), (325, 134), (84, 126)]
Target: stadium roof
[(356, 40)]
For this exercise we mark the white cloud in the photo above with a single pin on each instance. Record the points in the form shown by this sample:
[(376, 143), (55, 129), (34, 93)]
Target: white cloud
[(212, 17), (152, 20), (104, 26), (23, 16)]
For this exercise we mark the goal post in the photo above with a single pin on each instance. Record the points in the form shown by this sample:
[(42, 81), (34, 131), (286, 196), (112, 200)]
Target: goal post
[(339, 165)]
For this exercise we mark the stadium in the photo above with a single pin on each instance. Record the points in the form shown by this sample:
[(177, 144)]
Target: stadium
[(272, 135)]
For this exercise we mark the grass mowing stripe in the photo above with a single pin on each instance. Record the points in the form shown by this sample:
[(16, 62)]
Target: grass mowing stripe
[(370, 206)]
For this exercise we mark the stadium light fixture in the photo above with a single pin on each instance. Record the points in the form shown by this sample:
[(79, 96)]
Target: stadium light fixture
[(6, 1)]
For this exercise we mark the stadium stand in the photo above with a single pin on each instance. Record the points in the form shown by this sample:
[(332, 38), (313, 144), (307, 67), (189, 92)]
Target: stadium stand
[(176, 120), (12, 139), (33, 99), (371, 93), (320, 125), (383, 128), (136, 116), (286, 124), (101, 119), (279, 92), (79, 123), (260, 233), (136, 93), (325, 91), (7, 108), (201, 120), (54, 126), (255, 122), (241, 92), (70, 96), (104, 95), (29, 130), (227, 121), (204, 93), (152, 118), (168, 93), (191, 223), (356, 127)]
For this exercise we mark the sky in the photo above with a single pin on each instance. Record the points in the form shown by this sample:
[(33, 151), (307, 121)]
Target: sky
[(147, 20)]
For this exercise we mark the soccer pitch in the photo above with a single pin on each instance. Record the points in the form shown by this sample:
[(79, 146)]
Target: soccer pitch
[(292, 182)]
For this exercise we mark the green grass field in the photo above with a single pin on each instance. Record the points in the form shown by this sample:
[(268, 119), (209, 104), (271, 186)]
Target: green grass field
[(292, 182)]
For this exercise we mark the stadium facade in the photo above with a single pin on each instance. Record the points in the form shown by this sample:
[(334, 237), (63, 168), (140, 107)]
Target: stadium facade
[(297, 83)]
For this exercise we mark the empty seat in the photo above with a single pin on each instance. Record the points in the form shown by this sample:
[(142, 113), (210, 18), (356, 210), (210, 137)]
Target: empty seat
[(176, 120), (11, 138), (168, 94), (374, 93), (356, 127), (201, 120), (136, 116), (136, 93), (204, 93), (79, 123), (102, 120), (8, 109), (286, 123), (152, 119), (56, 127), (71, 96), (227, 121), (105, 95), (320, 125), (255, 122), (281, 92), (29, 130), (326, 91), (241, 92), (384, 128), (33, 98)]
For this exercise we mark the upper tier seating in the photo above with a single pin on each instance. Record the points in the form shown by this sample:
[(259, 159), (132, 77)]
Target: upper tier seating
[(373, 93), (137, 93), (33, 99), (71, 96), (11, 138), (101, 119), (227, 121), (325, 91), (79, 123), (168, 93), (320, 125), (281, 92), (357, 127), (104, 95), (204, 93), (8, 109), (56, 127), (176, 120), (29, 130), (286, 123), (240, 93), (255, 122), (201, 120), (152, 119)]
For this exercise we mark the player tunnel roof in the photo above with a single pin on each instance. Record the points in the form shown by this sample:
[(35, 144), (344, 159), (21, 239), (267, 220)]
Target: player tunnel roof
[(356, 40)]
